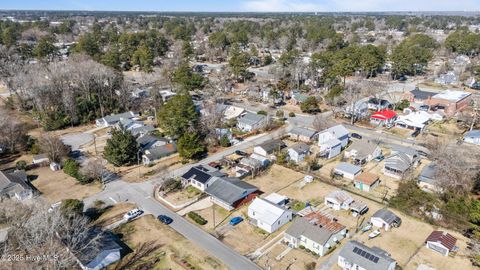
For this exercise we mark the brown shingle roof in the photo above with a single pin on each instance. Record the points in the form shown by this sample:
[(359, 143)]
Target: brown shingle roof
[(367, 178), (444, 238)]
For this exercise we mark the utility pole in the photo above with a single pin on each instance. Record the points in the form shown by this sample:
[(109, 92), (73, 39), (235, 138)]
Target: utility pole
[(213, 213), (138, 164)]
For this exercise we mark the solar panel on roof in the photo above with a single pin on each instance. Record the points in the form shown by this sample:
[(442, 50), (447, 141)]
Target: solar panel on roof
[(375, 260), (366, 255)]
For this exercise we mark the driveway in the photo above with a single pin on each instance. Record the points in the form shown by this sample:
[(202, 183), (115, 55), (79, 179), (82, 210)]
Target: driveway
[(77, 140)]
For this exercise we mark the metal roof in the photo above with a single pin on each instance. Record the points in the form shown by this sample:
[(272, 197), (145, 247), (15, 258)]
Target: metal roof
[(365, 257)]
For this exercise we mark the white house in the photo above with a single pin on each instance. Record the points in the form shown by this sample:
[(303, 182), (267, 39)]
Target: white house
[(338, 200), (414, 120), (267, 215), (201, 176), (357, 256), (362, 151), (472, 137), (332, 140), (267, 149), (386, 219), (251, 121), (441, 242), (315, 232), (111, 120), (298, 152), (347, 170)]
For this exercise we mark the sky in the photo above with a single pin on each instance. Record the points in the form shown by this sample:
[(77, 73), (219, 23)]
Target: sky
[(245, 5)]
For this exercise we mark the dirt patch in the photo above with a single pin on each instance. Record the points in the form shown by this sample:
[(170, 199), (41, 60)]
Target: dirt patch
[(167, 242), (57, 186), (276, 178)]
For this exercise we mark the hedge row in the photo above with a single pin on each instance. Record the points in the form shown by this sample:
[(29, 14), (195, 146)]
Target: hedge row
[(197, 218)]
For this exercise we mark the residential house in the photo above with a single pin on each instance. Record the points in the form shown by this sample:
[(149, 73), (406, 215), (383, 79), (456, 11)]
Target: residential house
[(447, 78), (383, 118), (230, 193), (15, 186), (427, 179), (140, 93), (347, 170), (359, 109), (128, 124), (362, 151), (441, 242), (378, 104), (149, 141), (156, 153), (472, 137), (99, 254), (414, 120), (400, 161), (418, 96), (200, 176), (267, 215), (113, 119), (366, 181), (450, 101), (302, 134), (298, 98), (277, 199), (232, 112), (338, 200), (357, 256), (386, 219), (298, 152), (267, 149), (315, 232), (251, 121), (332, 141)]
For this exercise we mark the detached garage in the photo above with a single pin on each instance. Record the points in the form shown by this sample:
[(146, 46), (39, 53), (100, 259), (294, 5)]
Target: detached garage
[(347, 170), (441, 242)]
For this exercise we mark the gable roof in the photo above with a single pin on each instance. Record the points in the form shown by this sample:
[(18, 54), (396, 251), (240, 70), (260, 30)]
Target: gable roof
[(444, 238), (272, 145), (111, 119), (367, 258), (266, 211), (300, 147), (421, 94), (230, 189), (251, 118), (161, 151), (16, 182), (384, 115), (387, 216), (338, 131), (106, 242), (199, 173), (427, 175), (340, 196), (363, 148), (301, 131), (348, 168), (367, 178)]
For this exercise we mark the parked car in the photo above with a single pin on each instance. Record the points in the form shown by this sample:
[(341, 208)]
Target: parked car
[(415, 133), (132, 214), (234, 221), (367, 227), (356, 136), (165, 219), (379, 158), (241, 153), (424, 108), (374, 234)]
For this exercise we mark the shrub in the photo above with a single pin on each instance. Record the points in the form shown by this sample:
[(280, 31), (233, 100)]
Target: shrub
[(197, 218), (21, 165), (301, 247), (262, 112), (72, 206), (224, 141), (310, 266), (280, 114), (72, 168), (291, 114)]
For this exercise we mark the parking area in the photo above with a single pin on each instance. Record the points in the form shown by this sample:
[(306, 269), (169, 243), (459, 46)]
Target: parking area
[(76, 140)]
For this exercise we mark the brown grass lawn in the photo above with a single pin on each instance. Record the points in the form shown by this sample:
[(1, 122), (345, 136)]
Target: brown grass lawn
[(296, 258), (57, 186), (114, 213), (276, 178), (148, 230)]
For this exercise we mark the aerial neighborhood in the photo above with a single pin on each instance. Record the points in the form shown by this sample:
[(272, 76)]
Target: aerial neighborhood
[(231, 140)]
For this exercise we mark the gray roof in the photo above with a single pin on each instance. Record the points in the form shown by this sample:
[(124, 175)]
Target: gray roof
[(114, 118), (427, 175), (338, 131), (348, 168), (301, 131), (422, 95), (13, 182), (407, 150), (161, 151), (398, 161), (363, 148), (229, 189), (301, 226), (140, 130), (300, 147), (367, 258), (89, 253), (251, 118), (387, 216), (272, 145)]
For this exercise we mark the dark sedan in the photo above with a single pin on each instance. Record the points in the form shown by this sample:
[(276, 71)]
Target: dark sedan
[(165, 219)]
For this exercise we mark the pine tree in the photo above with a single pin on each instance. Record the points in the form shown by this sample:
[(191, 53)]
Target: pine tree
[(121, 148)]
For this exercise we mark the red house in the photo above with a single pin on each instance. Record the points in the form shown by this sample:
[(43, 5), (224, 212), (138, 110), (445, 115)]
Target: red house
[(383, 118)]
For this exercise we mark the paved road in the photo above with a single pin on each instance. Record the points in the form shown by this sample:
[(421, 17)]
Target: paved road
[(141, 194)]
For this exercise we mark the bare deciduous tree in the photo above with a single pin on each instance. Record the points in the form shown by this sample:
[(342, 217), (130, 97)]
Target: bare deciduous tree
[(53, 147)]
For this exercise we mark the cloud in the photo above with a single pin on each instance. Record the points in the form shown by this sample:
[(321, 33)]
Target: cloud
[(359, 5)]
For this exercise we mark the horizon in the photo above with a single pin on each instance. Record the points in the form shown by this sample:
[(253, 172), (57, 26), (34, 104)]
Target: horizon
[(245, 6)]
